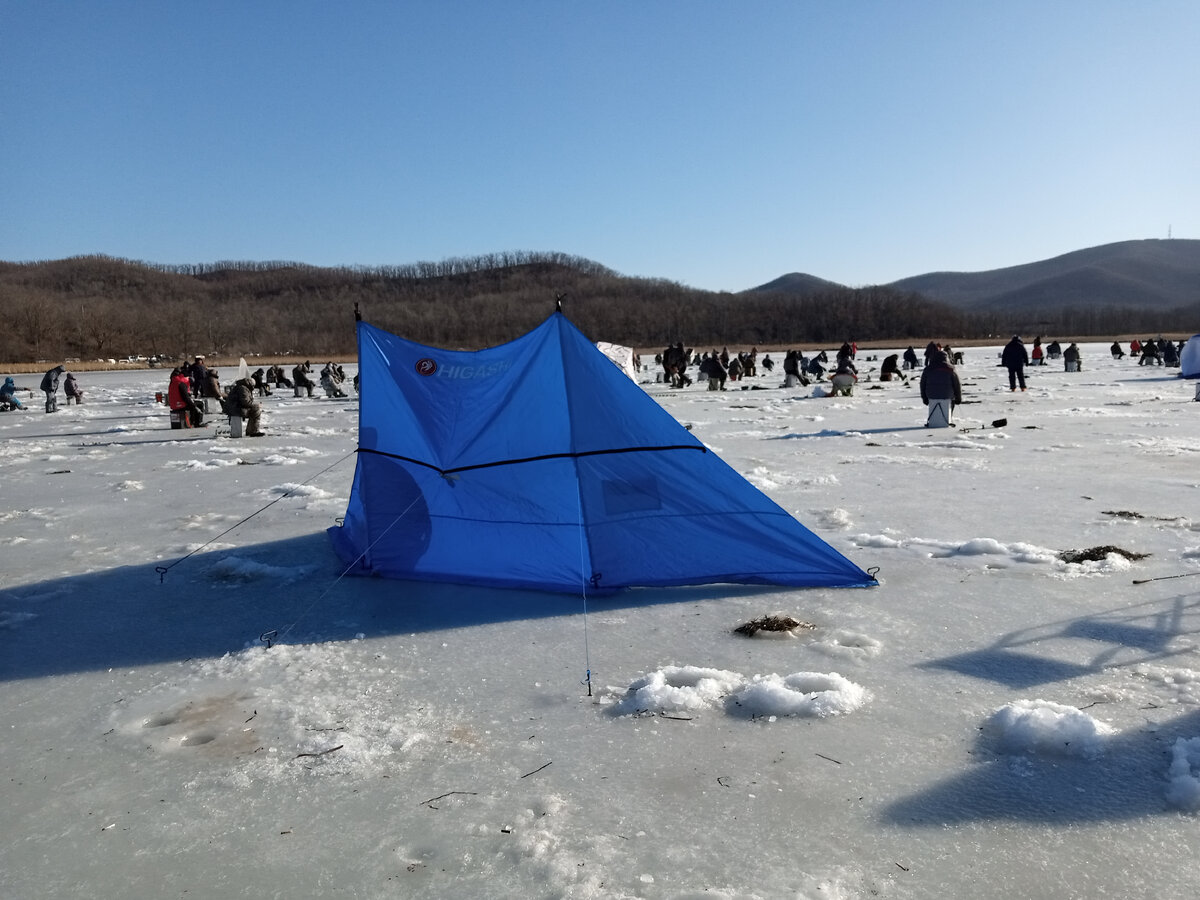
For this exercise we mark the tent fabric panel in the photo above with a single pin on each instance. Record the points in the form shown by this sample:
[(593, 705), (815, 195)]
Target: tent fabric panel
[(681, 517), (488, 526), (440, 406)]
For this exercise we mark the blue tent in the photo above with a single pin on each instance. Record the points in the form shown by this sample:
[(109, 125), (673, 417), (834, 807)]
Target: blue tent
[(539, 464)]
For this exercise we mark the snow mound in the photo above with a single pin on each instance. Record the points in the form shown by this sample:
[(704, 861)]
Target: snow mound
[(804, 694), (692, 688), (1042, 726), (679, 688)]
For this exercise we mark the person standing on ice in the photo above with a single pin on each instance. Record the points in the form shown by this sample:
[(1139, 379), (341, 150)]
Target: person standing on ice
[(50, 386), (1015, 358)]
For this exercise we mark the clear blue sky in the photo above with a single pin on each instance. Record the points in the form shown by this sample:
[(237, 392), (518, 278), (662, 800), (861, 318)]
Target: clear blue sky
[(715, 144)]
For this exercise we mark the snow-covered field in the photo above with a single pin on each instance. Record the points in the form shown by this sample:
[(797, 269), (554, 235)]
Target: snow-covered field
[(991, 721)]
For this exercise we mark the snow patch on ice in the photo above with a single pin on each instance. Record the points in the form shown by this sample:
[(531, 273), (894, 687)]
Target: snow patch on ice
[(1183, 776), (802, 694), (129, 486), (833, 518), (237, 568), (679, 688), (296, 490), (693, 688), (1042, 726), (199, 464), (848, 645)]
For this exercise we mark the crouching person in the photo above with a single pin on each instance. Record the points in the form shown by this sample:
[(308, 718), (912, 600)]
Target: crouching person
[(71, 389), (240, 402), (8, 395), (941, 390)]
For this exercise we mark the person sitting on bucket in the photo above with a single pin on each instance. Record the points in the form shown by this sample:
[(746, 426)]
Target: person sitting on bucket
[(1071, 359), (240, 402), (179, 398), (891, 369), (71, 389), (939, 381), (844, 378)]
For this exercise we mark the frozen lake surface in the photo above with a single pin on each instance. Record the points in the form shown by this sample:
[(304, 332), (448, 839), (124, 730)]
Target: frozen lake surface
[(990, 721)]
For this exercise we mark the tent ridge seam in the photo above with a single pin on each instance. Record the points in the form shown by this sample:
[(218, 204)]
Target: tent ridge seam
[(528, 459)]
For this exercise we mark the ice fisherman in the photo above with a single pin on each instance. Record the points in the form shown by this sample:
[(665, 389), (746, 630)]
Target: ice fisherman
[(179, 398), (8, 395), (891, 369), (50, 387), (1015, 358), (240, 402), (939, 381), (71, 389)]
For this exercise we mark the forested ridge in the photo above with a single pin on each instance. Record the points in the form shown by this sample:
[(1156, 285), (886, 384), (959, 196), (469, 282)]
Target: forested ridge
[(91, 307)]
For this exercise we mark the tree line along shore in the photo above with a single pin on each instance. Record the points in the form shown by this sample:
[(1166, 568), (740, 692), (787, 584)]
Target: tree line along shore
[(92, 309)]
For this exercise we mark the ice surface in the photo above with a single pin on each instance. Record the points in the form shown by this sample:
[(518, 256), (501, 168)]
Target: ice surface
[(989, 722)]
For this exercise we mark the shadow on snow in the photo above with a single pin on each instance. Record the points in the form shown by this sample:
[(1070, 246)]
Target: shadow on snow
[(1127, 781), (1126, 635), (213, 603)]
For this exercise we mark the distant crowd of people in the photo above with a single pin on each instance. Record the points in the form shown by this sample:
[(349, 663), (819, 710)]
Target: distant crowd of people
[(196, 381)]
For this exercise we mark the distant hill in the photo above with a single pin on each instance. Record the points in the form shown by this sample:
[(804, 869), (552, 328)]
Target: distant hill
[(799, 284), (1147, 274), (1151, 275)]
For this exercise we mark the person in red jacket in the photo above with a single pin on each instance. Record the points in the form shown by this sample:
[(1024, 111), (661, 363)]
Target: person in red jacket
[(179, 398)]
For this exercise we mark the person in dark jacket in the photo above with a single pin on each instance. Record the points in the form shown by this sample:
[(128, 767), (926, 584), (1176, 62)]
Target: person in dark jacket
[(300, 376), (260, 383), (197, 373), (910, 358), (1071, 355), (71, 389), (939, 381), (240, 402), (1015, 358), (50, 386), (714, 370), (891, 369)]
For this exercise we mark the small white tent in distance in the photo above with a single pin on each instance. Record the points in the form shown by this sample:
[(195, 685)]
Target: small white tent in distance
[(621, 356), (1189, 359)]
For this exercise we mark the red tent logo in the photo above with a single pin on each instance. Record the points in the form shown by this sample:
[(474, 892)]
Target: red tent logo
[(426, 366)]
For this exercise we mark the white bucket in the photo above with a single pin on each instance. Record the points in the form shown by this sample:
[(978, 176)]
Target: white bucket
[(940, 414)]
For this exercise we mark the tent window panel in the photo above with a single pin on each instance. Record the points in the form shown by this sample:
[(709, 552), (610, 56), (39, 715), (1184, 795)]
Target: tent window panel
[(627, 496)]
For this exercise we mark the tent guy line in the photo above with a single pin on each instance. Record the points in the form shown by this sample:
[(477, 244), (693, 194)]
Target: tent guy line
[(163, 570)]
